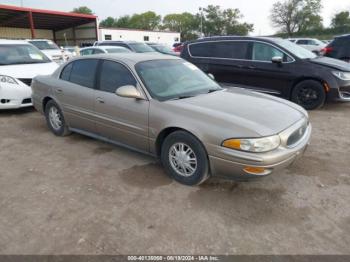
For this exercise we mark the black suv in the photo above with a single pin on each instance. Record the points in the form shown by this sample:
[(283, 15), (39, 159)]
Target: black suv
[(136, 47), (272, 65), (339, 48)]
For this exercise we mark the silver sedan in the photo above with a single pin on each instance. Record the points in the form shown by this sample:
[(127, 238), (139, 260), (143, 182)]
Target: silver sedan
[(164, 106)]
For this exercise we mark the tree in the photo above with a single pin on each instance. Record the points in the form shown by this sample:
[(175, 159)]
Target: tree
[(147, 21), (186, 23), (224, 22), (341, 22), (83, 10), (295, 16), (108, 22), (123, 22)]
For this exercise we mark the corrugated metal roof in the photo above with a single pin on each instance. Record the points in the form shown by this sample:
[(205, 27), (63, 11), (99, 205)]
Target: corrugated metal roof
[(13, 16)]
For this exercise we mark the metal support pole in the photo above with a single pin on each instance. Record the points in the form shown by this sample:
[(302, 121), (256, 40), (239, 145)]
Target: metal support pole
[(31, 22)]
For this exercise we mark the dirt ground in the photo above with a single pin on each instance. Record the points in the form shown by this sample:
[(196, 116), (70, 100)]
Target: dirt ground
[(76, 195)]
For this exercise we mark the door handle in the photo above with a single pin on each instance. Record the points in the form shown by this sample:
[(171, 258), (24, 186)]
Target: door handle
[(59, 90), (100, 100)]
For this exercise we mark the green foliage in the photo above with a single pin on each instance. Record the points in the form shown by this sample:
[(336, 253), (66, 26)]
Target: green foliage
[(83, 10), (341, 22), (216, 21), (224, 22), (296, 16)]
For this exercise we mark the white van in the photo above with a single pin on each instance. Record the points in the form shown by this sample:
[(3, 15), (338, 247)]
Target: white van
[(19, 63)]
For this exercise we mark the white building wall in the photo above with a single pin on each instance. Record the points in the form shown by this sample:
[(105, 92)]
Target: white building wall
[(161, 37)]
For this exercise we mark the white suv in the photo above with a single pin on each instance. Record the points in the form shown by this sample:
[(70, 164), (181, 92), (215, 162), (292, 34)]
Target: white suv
[(19, 63)]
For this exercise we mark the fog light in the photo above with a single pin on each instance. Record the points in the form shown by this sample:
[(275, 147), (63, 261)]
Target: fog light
[(255, 170)]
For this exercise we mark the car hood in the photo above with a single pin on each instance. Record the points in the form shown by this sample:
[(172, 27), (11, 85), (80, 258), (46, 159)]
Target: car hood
[(28, 70), (261, 114), (331, 63), (52, 52)]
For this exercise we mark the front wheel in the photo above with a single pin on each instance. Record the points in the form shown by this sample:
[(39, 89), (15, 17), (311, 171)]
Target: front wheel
[(309, 94), (185, 159)]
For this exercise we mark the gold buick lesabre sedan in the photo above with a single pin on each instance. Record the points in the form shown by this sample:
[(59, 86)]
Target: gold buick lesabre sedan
[(164, 106)]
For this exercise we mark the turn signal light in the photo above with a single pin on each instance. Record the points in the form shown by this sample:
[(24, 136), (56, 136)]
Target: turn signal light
[(232, 143), (255, 170)]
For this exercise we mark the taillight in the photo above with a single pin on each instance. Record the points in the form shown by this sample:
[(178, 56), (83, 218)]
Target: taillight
[(326, 50)]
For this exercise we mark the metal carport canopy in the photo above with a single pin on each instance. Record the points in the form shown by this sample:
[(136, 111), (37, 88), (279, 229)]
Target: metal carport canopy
[(21, 17)]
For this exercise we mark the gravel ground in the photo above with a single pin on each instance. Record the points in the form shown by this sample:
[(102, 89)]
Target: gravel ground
[(76, 195)]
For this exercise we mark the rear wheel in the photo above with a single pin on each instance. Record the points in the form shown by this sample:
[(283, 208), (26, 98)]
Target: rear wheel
[(185, 159), (55, 119), (309, 94)]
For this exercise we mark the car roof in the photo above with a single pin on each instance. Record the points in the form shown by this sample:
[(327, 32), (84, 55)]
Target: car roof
[(104, 47), (13, 42), (223, 38), (131, 58), (345, 36), (118, 41)]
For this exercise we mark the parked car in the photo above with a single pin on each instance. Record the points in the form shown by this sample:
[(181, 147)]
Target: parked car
[(136, 47), (50, 49), (19, 63), (167, 107), (71, 51), (163, 49), (177, 47), (312, 44), (103, 50), (339, 48), (274, 66)]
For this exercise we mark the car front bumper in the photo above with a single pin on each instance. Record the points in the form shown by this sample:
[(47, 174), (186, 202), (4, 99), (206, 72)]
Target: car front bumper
[(231, 164), (15, 96), (341, 92)]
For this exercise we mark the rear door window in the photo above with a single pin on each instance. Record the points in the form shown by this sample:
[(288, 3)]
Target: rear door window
[(65, 74), (221, 49), (83, 72)]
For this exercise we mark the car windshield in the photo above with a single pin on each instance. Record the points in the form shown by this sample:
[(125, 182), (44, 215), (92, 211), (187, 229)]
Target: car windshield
[(174, 79), (117, 50), (141, 48), (44, 45), (296, 50), (21, 54)]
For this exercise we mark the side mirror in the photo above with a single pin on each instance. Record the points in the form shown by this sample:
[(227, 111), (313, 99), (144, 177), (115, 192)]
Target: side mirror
[(129, 91), (211, 76), (277, 59)]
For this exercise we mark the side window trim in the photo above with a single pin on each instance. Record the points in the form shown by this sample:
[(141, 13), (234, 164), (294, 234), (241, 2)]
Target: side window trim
[(235, 59)]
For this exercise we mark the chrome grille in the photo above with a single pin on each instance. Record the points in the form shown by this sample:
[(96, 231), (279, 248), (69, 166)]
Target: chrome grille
[(27, 81)]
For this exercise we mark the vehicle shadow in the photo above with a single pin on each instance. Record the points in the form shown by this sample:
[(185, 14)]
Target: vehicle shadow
[(16, 112)]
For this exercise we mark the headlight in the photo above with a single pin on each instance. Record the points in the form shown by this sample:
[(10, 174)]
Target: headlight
[(342, 75), (8, 79), (257, 145)]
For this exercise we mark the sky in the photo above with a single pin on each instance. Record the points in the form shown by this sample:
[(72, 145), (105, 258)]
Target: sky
[(254, 11)]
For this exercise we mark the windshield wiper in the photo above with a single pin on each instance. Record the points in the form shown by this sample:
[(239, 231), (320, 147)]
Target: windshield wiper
[(181, 97), (214, 90)]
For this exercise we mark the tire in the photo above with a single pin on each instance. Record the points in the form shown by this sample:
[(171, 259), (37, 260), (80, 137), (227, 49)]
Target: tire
[(58, 127), (169, 158), (309, 94)]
